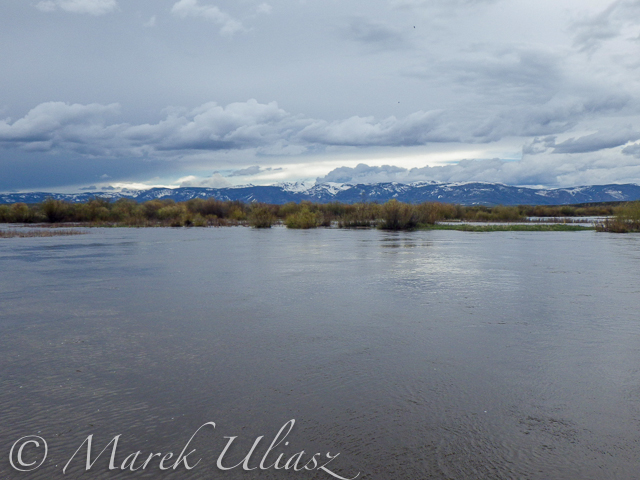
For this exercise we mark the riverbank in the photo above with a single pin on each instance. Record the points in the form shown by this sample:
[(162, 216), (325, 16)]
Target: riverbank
[(392, 215)]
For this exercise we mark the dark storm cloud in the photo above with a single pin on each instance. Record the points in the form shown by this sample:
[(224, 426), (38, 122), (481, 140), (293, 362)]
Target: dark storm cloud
[(28, 170)]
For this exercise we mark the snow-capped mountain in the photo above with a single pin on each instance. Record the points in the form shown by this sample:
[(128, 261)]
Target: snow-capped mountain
[(461, 193)]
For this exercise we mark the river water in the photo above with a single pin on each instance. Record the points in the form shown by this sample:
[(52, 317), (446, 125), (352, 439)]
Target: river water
[(419, 355)]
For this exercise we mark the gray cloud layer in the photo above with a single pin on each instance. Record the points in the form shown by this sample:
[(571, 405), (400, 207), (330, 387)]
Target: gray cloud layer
[(591, 32), (90, 130), (83, 82), (84, 129)]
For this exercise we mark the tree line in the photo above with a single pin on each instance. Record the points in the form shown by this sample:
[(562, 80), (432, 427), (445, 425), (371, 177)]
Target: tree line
[(392, 215)]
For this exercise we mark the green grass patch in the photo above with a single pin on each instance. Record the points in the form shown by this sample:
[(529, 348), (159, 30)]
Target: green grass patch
[(465, 227)]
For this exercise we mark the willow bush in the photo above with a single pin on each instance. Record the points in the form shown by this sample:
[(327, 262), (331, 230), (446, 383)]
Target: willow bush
[(261, 216), (398, 216), (303, 219), (626, 219)]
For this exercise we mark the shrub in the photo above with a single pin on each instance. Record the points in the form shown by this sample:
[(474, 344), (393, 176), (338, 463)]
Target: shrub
[(236, 212), (5, 213), (359, 215), (55, 210), (21, 213), (506, 214), (335, 209), (171, 213), (151, 208), (627, 219), (630, 213), (303, 219), (125, 209), (397, 216), (429, 213), (199, 221), (261, 216), (288, 209)]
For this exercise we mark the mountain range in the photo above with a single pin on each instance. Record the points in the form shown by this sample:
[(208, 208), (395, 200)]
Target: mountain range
[(459, 193)]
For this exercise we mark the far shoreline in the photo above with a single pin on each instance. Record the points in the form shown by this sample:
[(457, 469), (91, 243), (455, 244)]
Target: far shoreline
[(391, 216)]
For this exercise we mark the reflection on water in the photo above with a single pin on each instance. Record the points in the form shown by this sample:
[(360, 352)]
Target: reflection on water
[(415, 355)]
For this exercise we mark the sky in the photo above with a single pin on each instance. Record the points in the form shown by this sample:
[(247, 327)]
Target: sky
[(111, 94)]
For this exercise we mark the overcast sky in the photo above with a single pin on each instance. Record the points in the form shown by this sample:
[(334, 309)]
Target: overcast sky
[(134, 93)]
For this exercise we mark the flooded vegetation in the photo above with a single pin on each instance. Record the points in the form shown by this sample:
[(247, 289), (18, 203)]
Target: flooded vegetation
[(626, 219), (42, 232), (392, 215), (516, 227)]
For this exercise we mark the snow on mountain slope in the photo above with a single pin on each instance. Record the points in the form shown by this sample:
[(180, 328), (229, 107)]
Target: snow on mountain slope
[(469, 193)]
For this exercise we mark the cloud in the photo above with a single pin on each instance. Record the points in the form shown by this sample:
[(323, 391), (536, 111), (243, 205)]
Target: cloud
[(431, 3), (419, 128), (363, 173), (507, 75), (253, 170), (264, 8), (594, 142), (150, 23), (591, 32), (247, 171), (549, 170), (191, 8), (513, 75), (597, 141), (92, 7), (633, 149), (268, 130), (210, 127), (373, 34), (214, 181), (559, 115), (539, 145), (444, 7), (519, 90), (57, 125)]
